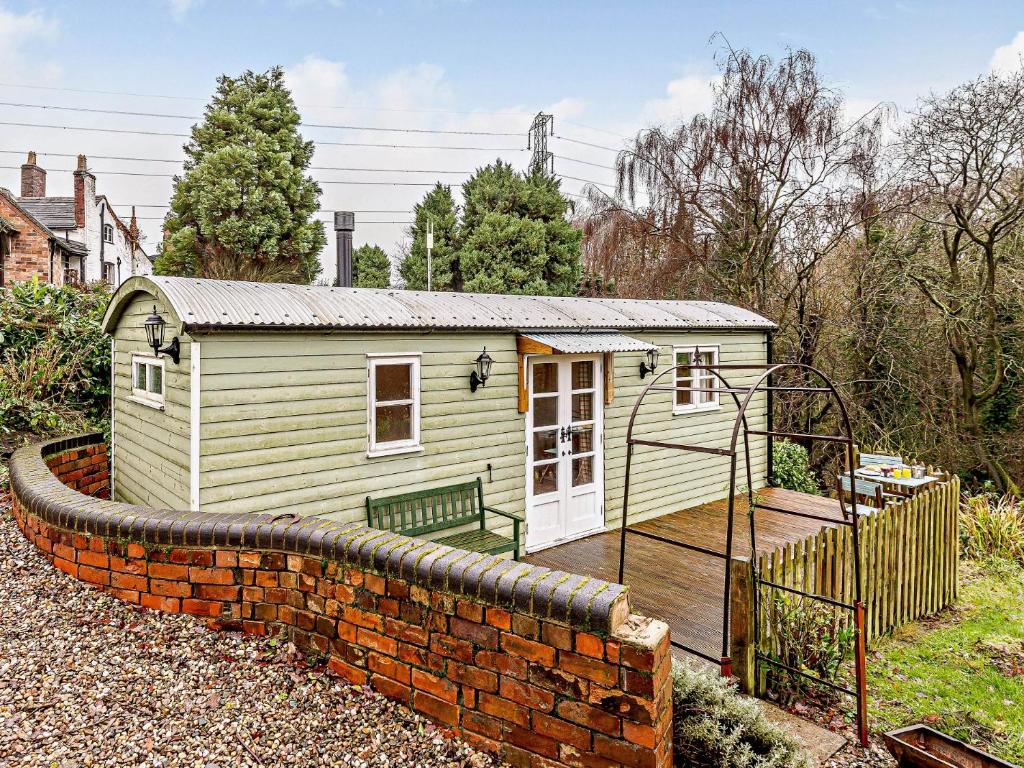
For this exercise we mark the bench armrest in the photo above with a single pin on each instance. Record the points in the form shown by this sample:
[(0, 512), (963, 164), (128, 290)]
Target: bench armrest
[(503, 513)]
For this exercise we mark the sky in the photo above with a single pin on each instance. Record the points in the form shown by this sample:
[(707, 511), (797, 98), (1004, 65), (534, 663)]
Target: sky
[(455, 82)]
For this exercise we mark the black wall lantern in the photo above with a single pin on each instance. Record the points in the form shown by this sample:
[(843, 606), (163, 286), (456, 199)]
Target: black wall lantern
[(154, 326), (479, 377), (651, 364)]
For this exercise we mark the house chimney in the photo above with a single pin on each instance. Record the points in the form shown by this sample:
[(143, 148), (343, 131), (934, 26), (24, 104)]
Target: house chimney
[(85, 191), (33, 178), (344, 225)]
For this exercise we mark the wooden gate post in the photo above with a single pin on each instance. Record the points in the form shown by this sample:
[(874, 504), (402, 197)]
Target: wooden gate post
[(741, 623)]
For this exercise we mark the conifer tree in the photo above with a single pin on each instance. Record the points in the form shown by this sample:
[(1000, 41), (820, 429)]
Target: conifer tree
[(437, 206), (512, 237), (371, 267), (243, 208)]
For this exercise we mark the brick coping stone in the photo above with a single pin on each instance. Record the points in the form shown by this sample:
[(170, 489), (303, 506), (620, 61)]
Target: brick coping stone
[(545, 668)]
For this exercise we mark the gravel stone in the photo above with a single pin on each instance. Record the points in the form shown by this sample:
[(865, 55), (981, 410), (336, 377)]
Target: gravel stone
[(88, 681)]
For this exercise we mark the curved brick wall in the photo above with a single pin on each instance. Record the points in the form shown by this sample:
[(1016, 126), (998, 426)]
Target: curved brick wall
[(543, 667)]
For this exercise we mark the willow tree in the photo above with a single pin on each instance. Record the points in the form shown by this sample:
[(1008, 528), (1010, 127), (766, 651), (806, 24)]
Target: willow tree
[(244, 207), (730, 194), (965, 154)]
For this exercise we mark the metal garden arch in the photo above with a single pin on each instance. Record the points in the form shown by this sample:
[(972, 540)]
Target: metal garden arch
[(764, 384)]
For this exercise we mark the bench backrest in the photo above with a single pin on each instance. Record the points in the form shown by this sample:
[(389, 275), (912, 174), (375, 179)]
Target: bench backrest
[(879, 458), (865, 489), (434, 509)]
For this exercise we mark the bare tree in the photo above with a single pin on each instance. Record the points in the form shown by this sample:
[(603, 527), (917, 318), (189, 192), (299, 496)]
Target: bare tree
[(965, 150), (766, 154)]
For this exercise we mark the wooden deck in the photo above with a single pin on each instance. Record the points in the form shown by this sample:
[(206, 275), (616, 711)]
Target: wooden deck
[(679, 586)]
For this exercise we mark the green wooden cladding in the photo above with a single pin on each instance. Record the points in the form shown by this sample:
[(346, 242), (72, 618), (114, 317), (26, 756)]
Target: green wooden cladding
[(440, 509)]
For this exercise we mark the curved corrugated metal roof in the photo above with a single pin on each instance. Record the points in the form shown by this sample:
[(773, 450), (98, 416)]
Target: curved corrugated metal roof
[(229, 304)]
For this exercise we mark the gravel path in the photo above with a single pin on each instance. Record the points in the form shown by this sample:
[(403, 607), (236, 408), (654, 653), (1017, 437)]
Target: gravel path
[(86, 680)]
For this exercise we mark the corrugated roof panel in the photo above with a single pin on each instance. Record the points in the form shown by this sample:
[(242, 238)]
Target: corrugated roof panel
[(209, 304), (590, 342)]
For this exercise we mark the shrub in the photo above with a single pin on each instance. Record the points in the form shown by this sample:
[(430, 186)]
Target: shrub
[(54, 359), (808, 635), (791, 467), (992, 526), (714, 727)]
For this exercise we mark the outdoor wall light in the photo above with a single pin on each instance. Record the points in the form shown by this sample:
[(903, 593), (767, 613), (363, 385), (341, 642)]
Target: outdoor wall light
[(154, 326), (479, 377), (651, 364)]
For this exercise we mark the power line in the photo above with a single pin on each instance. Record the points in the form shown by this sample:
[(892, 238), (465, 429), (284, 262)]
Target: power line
[(165, 116), (316, 141), (344, 182), (586, 181), (587, 143), (594, 128), (498, 113), (584, 162), (179, 162)]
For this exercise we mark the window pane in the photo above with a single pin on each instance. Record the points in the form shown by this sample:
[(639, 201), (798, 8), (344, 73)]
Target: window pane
[(545, 411), (583, 407), (545, 478), (684, 396), (156, 380), (545, 377), (545, 444), (393, 382), (394, 422), (140, 376), (583, 440), (583, 374), (583, 471)]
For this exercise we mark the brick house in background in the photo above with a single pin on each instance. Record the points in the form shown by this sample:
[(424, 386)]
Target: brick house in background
[(77, 239)]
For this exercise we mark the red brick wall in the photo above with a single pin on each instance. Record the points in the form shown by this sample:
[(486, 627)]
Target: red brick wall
[(538, 692), (30, 249)]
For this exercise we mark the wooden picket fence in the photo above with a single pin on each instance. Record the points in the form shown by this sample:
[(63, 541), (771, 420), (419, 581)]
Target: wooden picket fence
[(909, 562)]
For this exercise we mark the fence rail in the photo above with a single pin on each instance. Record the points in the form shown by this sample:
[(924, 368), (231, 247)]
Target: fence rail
[(909, 562)]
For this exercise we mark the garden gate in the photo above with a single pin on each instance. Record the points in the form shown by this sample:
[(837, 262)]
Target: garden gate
[(763, 383)]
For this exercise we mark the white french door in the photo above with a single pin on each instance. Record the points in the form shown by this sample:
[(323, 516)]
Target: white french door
[(565, 477)]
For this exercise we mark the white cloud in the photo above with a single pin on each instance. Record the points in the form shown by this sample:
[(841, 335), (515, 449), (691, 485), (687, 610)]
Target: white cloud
[(316, 80), (180, 8), (1008, 57), (20, 33), (685, 97)]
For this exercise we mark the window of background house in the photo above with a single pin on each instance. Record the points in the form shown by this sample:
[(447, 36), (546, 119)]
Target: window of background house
[(394, 404), (108, 233), (148, 380), (108, 273), (689, 380)]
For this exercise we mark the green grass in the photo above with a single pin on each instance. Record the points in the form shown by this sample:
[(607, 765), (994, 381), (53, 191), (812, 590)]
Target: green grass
[(963, 671)]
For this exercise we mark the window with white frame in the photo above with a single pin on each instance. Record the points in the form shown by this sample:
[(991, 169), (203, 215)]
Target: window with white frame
[(394, 404), (148, 379), (108, 233), (692, 383)]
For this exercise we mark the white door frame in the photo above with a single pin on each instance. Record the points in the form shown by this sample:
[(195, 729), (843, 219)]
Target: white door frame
[(566, 489)]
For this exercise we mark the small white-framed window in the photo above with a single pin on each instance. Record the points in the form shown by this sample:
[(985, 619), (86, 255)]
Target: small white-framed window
[(148, 380), (108, 233), (689, 382), (393, 395)]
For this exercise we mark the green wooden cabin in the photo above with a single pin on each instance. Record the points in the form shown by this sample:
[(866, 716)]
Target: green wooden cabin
[(308, 399)]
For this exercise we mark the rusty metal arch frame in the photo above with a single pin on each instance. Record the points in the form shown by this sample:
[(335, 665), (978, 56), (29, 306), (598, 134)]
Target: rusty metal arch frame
[(762, 384)]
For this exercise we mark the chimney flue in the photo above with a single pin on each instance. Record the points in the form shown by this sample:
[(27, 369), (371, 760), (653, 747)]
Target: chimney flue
[(344, 225), (33, 178)]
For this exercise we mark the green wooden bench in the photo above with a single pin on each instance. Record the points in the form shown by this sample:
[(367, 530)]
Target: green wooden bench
[(438, 509)]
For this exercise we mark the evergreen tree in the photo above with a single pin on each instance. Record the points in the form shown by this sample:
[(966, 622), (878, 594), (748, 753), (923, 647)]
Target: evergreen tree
[(243, 209), (513, 237), (371, 267), (438, 205)]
